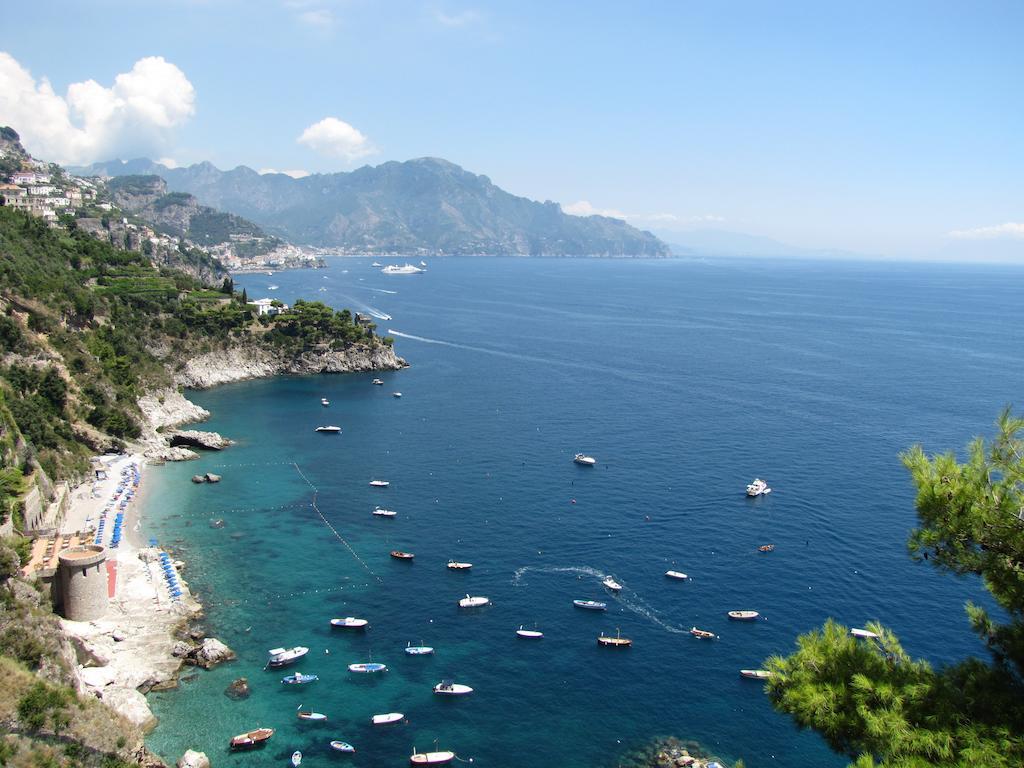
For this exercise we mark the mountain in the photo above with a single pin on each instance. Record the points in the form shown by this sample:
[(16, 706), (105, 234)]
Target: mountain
[(718, 242), (427, 205)]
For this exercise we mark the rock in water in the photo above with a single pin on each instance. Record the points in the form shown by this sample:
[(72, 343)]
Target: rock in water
[(193, 759), (211, 653), (239, 689)]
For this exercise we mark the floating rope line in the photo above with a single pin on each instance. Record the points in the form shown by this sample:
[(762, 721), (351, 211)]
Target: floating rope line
[(254, 464), (303, 476), (295, 505), (263, 599)]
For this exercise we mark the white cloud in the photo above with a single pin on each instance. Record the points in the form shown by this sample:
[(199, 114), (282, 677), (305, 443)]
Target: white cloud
[(137, 115), (318, 18), (295, 174), (167, 162), (1008, 231), (584, 208), (336, 138), (461, 19)]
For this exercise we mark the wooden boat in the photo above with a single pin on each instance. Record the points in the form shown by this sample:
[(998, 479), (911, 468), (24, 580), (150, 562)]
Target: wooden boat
[(473, 602), (431, 758), (703, 634), (399, 555), (448, 688), (379, 483), (676, 575), (590, 605), (342, 746), (418, 650), (299, 679), (612, 584), (755, 674), (390, 717), (296, 759), (766, 548), (251, 739), (368, 667), (384, 512), (614, 642), (349, 622), (743, 615), (864, 633), (280, 657), (457, 566), (529, 634), (315, 717)]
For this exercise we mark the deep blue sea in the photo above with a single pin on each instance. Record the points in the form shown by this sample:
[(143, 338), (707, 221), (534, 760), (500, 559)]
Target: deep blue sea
[(685, 379)]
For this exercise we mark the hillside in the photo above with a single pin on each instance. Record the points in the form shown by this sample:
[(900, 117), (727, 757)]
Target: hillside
[(427, 205)]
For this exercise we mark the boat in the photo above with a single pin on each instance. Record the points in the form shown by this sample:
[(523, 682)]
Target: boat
[(379, 483), (379, 512), (328, 428), (614, 642), (766, 548), (431, 758), (864, 633), (590, 605), (378, 382), (758, 488), (324, 401), (376, 264), (676, 575), (251, 739), (584, 460), (405, 269), (368, 667), (280, 657), (418, 650), (396, 394), (449, 688), (473, 602), (755, 674), (389, 717), (529, 634), (457, 566), (299, 679), (273, 287), (612, 584), (349, 622), (399, 555), (703, 634), (315, 717), (342, 746), (743, 615), (423, 263), (296, 759)]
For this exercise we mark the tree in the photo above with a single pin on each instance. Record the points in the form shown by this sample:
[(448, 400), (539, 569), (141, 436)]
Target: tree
[(873, 702)]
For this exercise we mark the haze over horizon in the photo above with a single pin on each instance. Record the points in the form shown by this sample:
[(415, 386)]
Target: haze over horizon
[(886, 130)]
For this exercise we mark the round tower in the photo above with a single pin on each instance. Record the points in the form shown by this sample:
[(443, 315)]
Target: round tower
[(83, 582)]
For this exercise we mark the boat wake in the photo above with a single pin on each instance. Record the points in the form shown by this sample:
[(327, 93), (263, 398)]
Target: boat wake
[(366, 308), (381, 290), (518, 579)]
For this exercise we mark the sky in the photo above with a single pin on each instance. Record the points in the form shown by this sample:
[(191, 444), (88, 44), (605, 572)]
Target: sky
[(892, 129)]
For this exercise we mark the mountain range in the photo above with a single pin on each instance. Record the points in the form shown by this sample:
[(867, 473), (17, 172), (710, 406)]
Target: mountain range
[(427, 205)]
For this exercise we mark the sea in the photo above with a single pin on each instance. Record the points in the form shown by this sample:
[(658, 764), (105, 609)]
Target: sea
[(685, 379)]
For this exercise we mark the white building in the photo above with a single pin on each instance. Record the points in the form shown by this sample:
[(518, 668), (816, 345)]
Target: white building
[(267, 307)]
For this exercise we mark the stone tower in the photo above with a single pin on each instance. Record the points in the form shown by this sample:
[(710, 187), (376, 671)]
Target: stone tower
[(82, 576)]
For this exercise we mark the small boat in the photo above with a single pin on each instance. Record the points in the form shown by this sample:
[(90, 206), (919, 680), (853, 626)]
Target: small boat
[(379, 483), (614, 642), (529, 634), (273, 287), (368, 667), (448, 688), (376, 264), (584, 460), (612, 584), (758, 488), (423, 263), (473, 602), (418, 650), (296, 759), (342, 746), (299, 679), (676, 575), (755, 674), (378, 382), (399, 555), (457, 566), (431, 758), (743, 615), (280, 657), (379, 512), (766, 548), (349, 622), (590, 605), (328, 428), (390, 717), (864, 633), (703, 634), (315, 717), (396, 394), (251, 739), (324, 402)]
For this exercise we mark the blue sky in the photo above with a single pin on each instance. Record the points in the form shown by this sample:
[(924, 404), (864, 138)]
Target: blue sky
[(867, 126)]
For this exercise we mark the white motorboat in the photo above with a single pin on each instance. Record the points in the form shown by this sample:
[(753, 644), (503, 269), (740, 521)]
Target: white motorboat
[(328, 428), (758, 488), (676, 575), (405, 269), (324, 402), (584, 460), (590, 605), (280, 657), (368, 667), (423, 263), (315, 717), (431, 758), (612, 584), (384, 512), (457, 566), (296, 759), (376, 264), (743, 615), (389, 717), (418, 650), (342, 746), (473, 602), (529, 634), (396, 394), (864, 633), (755, 674), (273, 287), (349, 622), (379, 483), (448, 688), (378, 382)]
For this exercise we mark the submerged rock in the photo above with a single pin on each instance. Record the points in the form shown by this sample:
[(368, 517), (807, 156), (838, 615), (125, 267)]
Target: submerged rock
[(239, 689), (193, 759)]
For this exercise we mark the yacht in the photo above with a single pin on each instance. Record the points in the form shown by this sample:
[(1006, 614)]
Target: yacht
[(280, 657), (328, 428), (405, 269), (586, 461), (349, 622), (758, 488), (473, 602)]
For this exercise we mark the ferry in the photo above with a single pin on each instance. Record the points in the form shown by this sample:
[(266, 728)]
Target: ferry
[(251, 739), (349, 622), (473, 602), (584, 460), (614, 642), (758, 488), (529, 634), (328, 428), (590, 605), (612, 584), (676, 575), (448, 688), (405, 269), (280, 657), (743, 615)]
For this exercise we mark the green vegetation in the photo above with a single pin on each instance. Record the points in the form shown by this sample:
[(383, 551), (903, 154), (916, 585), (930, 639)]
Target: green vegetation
[(871, 700)]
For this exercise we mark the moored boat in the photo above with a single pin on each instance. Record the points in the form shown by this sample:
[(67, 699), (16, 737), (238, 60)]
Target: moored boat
[(529, 634), (379, 382), (758, 488), (457, 566), (864, 633), (396, 394), (590, 605), (584, 460), (449, 688), (612, 584), (431, 758), (280, 657), (418, 650), (399, 555), (388, 717), (743, 615), (755, 674), (329, 428), (299, 679), (766, 548), (368, 667), (316, 717), (614, 642), (324, 402), (342, 746), (349, 622), (473, 602), (296, 759), (676, 575), (379, 483), (380, 512), (251, 739), (703, 634)]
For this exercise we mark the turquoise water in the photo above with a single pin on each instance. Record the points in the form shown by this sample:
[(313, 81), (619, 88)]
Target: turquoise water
[(686, 380)]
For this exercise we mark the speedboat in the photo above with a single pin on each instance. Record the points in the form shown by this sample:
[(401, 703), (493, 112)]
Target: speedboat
[(296, 759), (315, 717), (743, 615), (349, 622), (324, 401), (378, 382), (299, 679), (457, 566), (399, 555), (703, 634), (448, 688), (766, 548), (280, 657), (328, 428), (376, 264), (864, 633), (406, 269), (586, 461), (342, 746), (676, 575), (473, 602), (431, 758), (590, 605), (368, 667), (379, 483), (379, 512), (758, 488), (396, 394), (612, 584), (251, 739), (418, 650), (529, 634), (390, 717), (755, 674), (614, 642)]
